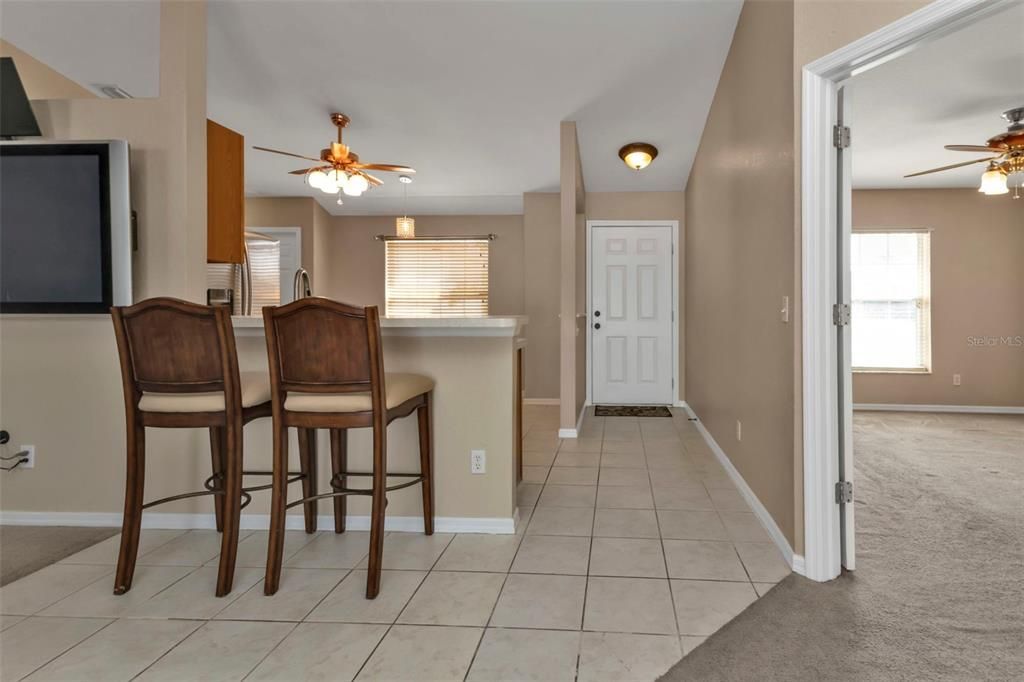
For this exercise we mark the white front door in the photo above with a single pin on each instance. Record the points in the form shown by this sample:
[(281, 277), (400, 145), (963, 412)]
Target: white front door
[(631, 315)]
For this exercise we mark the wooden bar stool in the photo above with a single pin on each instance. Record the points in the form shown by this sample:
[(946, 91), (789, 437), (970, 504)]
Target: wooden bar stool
[(179, 369), (327, 371)]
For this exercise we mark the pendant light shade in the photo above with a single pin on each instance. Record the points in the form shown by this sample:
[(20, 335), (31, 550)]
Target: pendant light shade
[(405, 227)]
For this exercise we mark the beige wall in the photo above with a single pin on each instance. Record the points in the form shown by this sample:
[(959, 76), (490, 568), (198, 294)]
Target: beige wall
[(60, 387), (976, 247), (572, 206), (357, 259), (745, 186), (541, 263), (739, 261)]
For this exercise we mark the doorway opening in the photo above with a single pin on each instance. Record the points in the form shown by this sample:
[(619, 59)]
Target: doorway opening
[(829, 136)]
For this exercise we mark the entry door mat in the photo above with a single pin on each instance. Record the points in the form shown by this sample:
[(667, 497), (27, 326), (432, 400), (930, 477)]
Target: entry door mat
[(631, 411)]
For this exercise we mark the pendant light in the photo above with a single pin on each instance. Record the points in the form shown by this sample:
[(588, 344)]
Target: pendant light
[(405, 227)]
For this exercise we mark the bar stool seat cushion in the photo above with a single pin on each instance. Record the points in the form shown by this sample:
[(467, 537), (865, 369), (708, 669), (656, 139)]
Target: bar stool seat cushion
[(399, 387), (255, 388)]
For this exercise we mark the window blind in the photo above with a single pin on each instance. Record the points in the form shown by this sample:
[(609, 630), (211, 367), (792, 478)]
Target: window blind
[(891, 297), (437, 278)]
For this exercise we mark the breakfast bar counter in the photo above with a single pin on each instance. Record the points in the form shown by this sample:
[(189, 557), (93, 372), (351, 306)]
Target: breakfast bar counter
[(476, 366)]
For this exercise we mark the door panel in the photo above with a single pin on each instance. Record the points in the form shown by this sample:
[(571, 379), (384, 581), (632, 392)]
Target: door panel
[(631, 314)]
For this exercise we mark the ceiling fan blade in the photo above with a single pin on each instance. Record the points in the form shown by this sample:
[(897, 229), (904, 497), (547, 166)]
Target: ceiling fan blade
[(386, 167), (303, 171), (951, 166), (372, 180), (973, 148), (277, 151)]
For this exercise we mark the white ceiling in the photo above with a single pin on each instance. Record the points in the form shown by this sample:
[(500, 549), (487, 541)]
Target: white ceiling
[(92, 42), (951, 91), (469, 93)]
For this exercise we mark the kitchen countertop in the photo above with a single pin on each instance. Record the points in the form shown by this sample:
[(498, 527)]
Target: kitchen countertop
[(492, 325)]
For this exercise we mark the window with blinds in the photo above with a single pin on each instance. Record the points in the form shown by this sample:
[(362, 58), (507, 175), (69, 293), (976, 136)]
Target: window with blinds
[(436, 278), (891, 297)]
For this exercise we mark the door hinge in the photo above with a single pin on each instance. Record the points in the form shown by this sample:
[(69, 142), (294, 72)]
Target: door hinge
[(840, 137), (844, 492), (840, 314)]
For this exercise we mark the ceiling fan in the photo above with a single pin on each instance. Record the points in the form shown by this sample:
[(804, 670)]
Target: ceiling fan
[(1008, 148), (338, 167)]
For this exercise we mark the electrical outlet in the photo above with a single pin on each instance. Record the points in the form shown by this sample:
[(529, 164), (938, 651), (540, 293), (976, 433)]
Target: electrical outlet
[(478, 462), (739, 430), (956, 379), (30, 451)]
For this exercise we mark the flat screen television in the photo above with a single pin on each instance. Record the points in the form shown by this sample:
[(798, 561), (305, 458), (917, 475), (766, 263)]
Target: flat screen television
[(65, 227)]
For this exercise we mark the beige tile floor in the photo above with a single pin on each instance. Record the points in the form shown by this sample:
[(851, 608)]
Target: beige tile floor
[(633, 547)]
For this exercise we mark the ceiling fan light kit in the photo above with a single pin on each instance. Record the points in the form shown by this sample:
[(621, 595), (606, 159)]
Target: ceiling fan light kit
[(339, 167), (638, 155), (1008, 148), (993, 181)]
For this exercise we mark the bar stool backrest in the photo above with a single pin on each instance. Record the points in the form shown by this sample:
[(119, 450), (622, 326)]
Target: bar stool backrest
[(167, 345), (316, 345)]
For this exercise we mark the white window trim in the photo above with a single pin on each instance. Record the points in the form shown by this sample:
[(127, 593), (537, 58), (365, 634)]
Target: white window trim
[(926, 367)]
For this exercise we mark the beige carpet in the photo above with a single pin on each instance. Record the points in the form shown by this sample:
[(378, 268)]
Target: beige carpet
[(26, 549), (939, 588)]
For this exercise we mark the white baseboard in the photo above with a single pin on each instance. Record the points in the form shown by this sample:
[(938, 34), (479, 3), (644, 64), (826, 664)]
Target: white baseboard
[(575, 433), (410, 524), (541, 401), (795, 561), (969, 409), (682, 404)]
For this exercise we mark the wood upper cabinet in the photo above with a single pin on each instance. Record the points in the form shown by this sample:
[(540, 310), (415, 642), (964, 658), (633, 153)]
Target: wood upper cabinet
[(225, 194)]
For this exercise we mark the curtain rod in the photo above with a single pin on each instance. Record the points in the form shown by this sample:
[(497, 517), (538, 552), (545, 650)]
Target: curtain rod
[(442, 238)]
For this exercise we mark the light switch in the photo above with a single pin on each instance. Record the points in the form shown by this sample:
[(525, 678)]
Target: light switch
[(785, 309)]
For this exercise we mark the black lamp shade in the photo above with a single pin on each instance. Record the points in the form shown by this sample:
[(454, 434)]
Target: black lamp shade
[(16, 117)]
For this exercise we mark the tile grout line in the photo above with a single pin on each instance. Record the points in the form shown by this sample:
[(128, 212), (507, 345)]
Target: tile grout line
[(391, 625), (664, 558), (590, 554), (73, 646)]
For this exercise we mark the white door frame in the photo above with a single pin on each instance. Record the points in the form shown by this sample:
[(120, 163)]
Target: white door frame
[(676, 250), (819, 196)]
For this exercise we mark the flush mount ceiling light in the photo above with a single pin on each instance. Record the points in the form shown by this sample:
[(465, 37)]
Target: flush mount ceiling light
[(405, 227), (1008, 148), (638, 155)]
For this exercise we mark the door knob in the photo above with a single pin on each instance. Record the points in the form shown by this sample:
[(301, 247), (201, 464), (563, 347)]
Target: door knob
[(597, 325), (597, 313)]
